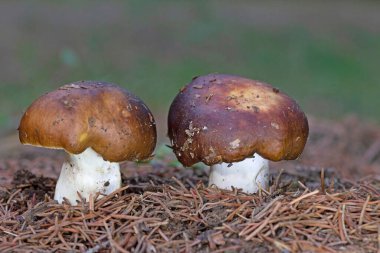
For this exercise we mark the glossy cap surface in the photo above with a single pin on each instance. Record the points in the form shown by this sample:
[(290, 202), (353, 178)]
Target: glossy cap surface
[(103, 116), (224, 118)]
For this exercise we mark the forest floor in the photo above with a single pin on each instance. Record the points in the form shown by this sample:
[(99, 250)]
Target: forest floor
[(326, 201)]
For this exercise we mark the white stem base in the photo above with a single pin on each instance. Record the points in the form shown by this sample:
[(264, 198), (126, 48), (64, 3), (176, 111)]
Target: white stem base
[(248, 175), (86, 173)]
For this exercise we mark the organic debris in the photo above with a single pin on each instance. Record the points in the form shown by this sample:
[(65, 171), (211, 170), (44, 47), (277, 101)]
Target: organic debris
[(169, 214), (351, 146), (317, 204)]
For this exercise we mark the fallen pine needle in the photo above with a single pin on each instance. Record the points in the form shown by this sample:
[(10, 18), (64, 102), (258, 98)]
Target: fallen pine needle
[(303, 197), (266, 221)]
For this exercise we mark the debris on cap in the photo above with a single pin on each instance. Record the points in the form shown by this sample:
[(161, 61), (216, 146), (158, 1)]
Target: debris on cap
[(236, 118)]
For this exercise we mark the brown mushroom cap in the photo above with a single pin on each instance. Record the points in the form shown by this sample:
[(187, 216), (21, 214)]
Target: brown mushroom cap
[(223, 118), (100, 115)]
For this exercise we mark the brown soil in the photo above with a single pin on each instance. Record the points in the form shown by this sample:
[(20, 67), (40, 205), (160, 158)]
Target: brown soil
[(165, 208)]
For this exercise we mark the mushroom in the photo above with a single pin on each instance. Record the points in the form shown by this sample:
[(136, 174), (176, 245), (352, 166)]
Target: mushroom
[(235, 125), (99, 125)]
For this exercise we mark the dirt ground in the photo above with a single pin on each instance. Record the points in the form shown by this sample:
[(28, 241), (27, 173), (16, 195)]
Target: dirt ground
[(326, 201)]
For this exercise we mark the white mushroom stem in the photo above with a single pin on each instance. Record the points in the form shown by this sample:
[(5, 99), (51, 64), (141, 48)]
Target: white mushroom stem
[(250, 175), (86, 173)]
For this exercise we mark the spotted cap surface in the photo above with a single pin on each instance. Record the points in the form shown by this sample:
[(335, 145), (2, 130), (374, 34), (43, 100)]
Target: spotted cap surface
[(103, 116), (224, 118)]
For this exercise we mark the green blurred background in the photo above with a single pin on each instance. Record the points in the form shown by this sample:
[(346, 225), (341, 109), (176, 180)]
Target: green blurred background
[(325, 54)]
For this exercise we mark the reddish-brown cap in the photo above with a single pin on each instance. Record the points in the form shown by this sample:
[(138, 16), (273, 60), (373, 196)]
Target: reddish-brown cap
[(100, 115), (223, 118)]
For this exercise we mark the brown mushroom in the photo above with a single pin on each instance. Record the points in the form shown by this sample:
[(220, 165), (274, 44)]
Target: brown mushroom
[(223, 120), (98, 124)]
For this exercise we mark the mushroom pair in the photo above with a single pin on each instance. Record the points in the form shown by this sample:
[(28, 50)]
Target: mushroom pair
[(98, 124), (231, 123), (235, 125)]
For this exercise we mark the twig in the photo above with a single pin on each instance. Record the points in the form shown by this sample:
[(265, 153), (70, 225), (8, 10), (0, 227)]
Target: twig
[(363, 212), (323, 181), (344, 235), (304, 196)]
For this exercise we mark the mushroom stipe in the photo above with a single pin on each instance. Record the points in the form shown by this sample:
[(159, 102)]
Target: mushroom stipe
[(231, 123), (98, 124), (235, 124)]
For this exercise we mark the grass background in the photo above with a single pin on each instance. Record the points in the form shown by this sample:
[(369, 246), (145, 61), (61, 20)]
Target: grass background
[(325, 54)]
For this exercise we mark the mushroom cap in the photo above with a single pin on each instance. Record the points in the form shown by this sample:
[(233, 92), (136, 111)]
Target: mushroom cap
[(107, 118), (223, 118)]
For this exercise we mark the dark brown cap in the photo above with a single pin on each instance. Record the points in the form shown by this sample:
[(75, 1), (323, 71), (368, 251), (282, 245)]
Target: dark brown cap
[(223, 118), (84, 114)]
